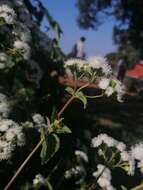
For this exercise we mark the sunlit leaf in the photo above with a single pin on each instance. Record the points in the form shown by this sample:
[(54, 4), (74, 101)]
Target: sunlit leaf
[(81, 97)]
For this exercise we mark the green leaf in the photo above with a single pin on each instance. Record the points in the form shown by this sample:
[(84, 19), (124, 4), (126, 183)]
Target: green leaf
[(64, 130), (123, 188), (50, 146), (70, 90), (81, 97)]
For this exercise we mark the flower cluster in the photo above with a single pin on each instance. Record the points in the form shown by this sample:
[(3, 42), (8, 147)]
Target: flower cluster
[(76, 171), (98, 62), (39, 121), (39, 180), (82, 155), (126, 161), (103, 175), (19, 34), (7, 14), (11, 135), (95, 70), (137, 154)]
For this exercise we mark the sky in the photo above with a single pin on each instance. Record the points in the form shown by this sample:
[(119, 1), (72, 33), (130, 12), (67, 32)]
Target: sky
[(97, 42)]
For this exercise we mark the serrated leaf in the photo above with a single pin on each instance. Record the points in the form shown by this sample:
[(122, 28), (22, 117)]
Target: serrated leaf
[(64, 130), (50, 146), (81, 97), (70, 90)]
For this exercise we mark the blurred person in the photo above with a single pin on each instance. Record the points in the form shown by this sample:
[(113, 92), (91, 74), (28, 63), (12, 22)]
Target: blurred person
[(78, 49)]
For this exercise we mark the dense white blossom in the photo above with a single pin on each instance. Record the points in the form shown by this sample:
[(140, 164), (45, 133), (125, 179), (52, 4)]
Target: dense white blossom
[(38, 119), (23, 47), (137, 154), (98, 67), (103, 174), (7, 14), (82, 155), (78, 170), (104, 83), (98, 62), (125, 156), (103, 138), (78, 62), (39, 180), (11, 135)]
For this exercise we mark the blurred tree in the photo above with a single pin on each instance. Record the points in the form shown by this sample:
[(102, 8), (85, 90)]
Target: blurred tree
[(128, 30)]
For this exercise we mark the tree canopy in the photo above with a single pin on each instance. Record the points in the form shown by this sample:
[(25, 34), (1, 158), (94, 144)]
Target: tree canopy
[(128, 28)]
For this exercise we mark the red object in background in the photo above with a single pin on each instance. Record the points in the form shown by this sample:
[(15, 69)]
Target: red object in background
[(136, 72)]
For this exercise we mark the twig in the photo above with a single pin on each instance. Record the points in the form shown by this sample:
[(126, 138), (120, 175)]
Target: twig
[(23, 165), (65, 106)]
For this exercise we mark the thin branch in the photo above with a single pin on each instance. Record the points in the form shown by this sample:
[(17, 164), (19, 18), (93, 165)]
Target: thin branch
[(92, 97), (23, 165), (65, 106)]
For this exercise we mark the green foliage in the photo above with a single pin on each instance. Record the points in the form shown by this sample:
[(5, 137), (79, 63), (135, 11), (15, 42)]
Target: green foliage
[(50, 146), (80, 95), (63, 130), (127, 32)]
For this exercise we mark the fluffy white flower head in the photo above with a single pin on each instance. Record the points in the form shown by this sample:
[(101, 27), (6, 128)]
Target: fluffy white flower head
[(7, 13), (81, 155)]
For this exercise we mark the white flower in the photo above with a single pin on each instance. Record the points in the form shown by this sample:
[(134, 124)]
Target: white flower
[(7, 13), (137, 152), (98, 62), (109, 91), (103, 174), (125, 156), (15, 133), (77, 62), (104, 83), (121, 146), (11, 135), (76, 171), (23, 47), (103, 138), (6, 149), (81, 155), (38, 119), (39, 180)]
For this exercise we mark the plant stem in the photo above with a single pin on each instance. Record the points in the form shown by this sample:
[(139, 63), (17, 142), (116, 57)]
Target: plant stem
[(23, 165), (65, 106), (96, 96), (84, 86)]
